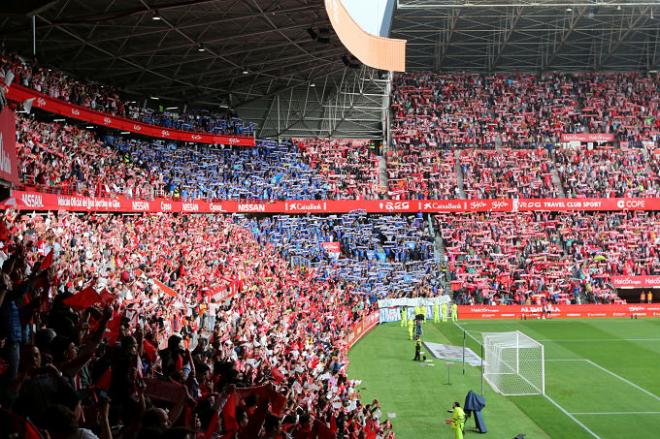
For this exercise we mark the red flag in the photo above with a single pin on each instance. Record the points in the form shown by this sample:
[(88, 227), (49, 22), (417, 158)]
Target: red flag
[(229, 414), (107, 297), (47, 261), (213, 425), (277, 404), (83, 299), (4, 231), (164, 288), (112, 330)]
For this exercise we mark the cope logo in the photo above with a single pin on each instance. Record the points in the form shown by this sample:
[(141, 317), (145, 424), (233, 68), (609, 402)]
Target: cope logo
[(631, 204)]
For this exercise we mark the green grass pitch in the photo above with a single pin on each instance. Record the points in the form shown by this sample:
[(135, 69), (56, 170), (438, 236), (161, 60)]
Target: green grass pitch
[(602, 380)]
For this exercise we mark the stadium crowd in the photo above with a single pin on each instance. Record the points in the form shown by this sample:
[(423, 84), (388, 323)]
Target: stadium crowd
[(608, 172), (522, 110), (507, 173), (350, 167), (383, 256), (527, 258), (62, 158), (59, 85), (131, 326), (271, 171)]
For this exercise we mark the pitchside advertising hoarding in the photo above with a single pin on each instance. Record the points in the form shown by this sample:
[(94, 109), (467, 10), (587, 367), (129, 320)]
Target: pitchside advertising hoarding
[(484, 312), (32, 200)]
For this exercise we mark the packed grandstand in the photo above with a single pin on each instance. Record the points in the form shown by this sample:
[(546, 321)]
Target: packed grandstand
[(239, 324)]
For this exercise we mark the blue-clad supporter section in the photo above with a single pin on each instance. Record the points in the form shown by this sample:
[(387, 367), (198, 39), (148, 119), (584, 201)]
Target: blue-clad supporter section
[(389, 256), (270, 171)]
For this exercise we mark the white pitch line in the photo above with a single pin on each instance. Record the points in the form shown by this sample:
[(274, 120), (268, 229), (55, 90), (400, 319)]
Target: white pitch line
[(595, 340), (564, 411), (615, 413), (598, 366), (640, 388)]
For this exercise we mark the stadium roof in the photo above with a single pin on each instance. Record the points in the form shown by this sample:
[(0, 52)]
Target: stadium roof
[(279, 63), (531, 35), (265, 58)]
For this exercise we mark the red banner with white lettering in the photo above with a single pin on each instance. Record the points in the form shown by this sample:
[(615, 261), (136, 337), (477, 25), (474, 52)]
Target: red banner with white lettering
[(19, 93), (8, 161), (635, 281), (587, 137), (558, 311), (26, 200), (333, 248)]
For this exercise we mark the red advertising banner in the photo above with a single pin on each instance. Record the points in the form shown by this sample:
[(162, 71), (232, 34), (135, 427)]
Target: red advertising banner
[(360, 328), (19, 93), (635, 281), (8, 160), (26, 200), (587, 137), (558, 311)]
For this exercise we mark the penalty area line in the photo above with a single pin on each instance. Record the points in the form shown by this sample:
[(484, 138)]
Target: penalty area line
[(570, 415), (615, 413)]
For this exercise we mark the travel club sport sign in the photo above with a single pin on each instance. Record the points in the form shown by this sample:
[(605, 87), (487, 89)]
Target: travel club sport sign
[(19, 94), (38, 201)]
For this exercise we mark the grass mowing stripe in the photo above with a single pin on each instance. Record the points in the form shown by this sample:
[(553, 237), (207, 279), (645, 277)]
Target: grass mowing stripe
[(640, 388), (564, 411)]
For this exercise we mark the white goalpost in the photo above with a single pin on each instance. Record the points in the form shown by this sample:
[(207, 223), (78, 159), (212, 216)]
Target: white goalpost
[(514, 363)]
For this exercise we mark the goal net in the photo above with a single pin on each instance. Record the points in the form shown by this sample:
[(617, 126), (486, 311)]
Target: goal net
[(514, 363)]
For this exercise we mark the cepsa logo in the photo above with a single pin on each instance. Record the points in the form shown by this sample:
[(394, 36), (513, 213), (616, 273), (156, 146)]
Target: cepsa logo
[(41, 102), (196, 137), (165, 133), (392, 206), (107, 120), (233, 141), (32, 200), (215, 207), (165, 207), (75, 112), (137, 127)]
